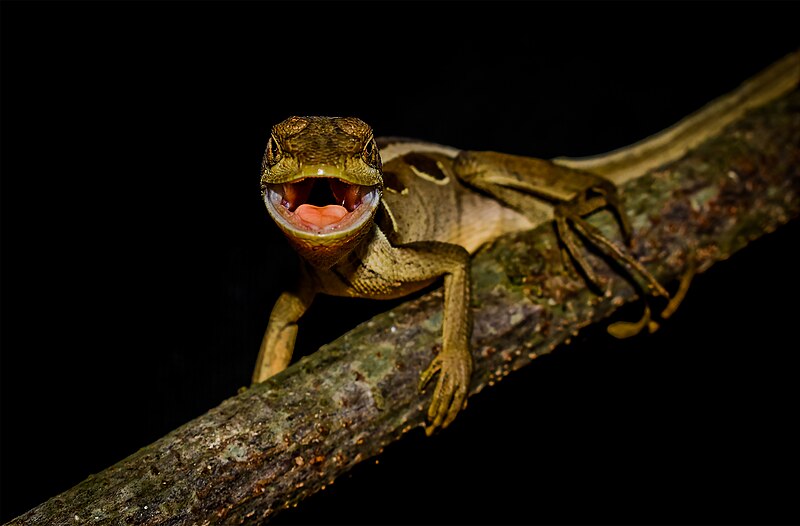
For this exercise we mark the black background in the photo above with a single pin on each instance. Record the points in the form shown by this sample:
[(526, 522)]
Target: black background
[(139, 266)]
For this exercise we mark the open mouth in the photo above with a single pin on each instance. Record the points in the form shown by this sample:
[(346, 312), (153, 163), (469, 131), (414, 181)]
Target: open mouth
[(321, 205)]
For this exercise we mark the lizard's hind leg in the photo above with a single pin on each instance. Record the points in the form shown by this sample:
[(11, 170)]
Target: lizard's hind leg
[(573, 251), (572, 213), (520, 181), (612, 200)]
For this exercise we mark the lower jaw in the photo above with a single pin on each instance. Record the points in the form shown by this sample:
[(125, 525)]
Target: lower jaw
[(325, 251)]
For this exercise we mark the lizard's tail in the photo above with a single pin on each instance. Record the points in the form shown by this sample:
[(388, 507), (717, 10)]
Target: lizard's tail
[(672, 143)]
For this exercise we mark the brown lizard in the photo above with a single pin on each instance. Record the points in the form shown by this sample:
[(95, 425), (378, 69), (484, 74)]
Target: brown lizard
[(382, 218)]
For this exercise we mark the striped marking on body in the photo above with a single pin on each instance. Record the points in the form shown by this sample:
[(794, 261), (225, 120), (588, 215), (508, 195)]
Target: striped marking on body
[(392, 148)]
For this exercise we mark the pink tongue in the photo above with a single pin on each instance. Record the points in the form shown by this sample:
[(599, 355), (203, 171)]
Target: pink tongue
[(321, 216)]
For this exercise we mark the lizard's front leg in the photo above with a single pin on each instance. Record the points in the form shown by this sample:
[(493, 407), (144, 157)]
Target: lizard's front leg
[(454, 362), (388, 271), (279, 338)]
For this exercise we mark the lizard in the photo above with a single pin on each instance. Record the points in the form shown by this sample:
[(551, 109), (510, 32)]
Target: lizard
[(382, 218)]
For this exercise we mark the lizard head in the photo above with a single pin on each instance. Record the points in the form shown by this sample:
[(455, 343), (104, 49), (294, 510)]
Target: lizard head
[(321, 181)]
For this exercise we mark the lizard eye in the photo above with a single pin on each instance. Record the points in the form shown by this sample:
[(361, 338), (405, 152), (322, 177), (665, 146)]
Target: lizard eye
[(371, 155), (273, 153)]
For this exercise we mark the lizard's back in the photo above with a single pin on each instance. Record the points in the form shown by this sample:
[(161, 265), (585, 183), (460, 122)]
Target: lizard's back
[(424, 200)]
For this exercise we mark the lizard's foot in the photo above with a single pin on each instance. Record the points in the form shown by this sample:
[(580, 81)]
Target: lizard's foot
[(623, 329), (683, 288), (627, 329), (450, 394)]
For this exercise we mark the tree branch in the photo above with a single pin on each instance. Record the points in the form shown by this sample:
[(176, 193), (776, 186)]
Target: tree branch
[(275, 444)]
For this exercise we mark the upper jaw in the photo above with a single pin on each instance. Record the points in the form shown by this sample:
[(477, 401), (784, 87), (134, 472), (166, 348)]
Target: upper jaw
[(318, 170)]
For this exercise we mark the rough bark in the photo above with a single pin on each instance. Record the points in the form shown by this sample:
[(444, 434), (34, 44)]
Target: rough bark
[(273, 445)]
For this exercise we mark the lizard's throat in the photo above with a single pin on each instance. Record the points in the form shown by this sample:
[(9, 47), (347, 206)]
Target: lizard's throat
[(323, 218)]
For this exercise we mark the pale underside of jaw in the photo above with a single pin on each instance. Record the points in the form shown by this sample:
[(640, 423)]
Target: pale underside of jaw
[(321, 205)]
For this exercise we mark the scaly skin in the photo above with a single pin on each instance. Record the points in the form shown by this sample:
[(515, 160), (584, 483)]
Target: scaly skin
[(374, 230)]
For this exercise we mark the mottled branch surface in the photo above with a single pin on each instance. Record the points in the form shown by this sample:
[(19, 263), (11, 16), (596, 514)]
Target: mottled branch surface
[(281, 441)]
